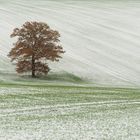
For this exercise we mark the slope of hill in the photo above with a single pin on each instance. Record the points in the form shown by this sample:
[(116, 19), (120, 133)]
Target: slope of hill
[(101, 38)]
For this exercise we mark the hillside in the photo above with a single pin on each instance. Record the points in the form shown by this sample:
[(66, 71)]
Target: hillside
[(101, 38)]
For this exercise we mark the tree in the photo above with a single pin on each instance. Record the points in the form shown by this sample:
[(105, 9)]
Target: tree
[(36, 43)]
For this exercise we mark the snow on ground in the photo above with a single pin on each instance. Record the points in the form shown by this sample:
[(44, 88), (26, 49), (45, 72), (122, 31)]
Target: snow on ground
[(56, 114), (101, 38)]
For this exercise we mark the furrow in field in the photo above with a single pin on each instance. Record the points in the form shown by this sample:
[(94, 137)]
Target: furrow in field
[(70, 106)]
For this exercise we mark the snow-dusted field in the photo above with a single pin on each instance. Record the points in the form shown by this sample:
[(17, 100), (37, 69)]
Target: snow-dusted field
[(55, 112), (102, 43), (101, 38)]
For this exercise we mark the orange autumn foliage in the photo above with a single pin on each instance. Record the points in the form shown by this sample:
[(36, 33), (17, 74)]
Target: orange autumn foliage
[(36, 43)]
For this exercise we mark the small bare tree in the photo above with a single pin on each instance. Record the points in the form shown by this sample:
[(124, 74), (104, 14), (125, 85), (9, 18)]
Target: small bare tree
[(36, 43)]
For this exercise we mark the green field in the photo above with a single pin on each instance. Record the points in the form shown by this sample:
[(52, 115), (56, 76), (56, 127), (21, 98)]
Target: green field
[(48, 111)]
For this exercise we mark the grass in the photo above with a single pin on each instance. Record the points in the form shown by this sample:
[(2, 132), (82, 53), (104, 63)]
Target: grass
[(58, 111)]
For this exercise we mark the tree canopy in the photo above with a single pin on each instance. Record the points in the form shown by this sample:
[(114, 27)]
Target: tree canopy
[(36, 43)]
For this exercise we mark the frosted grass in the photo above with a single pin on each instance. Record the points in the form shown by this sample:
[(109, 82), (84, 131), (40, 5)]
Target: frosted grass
[(68, 112)]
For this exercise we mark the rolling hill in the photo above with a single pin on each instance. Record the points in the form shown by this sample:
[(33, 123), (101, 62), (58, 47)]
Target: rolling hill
[(101, 38)]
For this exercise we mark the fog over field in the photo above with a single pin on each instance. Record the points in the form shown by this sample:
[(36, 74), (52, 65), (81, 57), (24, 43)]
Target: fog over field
[(101, 37)]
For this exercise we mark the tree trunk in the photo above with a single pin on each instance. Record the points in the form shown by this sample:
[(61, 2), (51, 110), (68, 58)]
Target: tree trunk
[(33, 67)]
